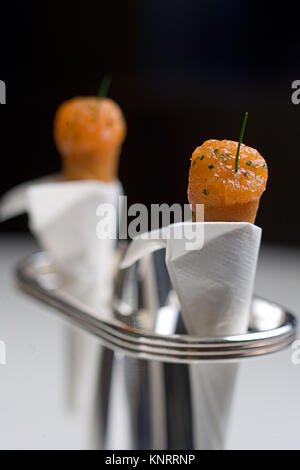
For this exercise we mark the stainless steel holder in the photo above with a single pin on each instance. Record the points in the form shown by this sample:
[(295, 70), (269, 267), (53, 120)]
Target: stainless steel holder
[(145, 316), (175, 389)]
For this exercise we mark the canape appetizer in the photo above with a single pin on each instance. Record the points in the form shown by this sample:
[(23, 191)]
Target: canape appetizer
[(228, 178), (227, 194), (89, 132)]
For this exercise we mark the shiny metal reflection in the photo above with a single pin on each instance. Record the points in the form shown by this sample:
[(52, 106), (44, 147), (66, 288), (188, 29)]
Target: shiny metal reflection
[(144, 319)]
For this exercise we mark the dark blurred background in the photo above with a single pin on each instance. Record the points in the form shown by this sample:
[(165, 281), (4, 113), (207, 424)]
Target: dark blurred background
[(183, 71)]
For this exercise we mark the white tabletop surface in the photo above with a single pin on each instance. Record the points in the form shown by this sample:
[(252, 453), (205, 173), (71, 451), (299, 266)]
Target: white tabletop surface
[(43, 405)]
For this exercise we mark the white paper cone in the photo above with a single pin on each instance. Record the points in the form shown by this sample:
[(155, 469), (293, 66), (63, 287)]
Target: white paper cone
[(212, 389), (214, 284), (63, 217)]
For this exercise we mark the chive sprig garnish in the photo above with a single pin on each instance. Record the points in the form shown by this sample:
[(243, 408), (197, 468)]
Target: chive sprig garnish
[(240, 141), (104, 87)]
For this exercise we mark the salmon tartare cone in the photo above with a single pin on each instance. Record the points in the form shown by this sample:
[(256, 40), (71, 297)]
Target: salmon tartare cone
[(89, 133), (227, 195)]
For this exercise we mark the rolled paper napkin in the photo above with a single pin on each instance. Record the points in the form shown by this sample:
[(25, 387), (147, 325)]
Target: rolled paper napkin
[(14, 202), (63, 217), (212, 392), (214, 280), (214, 284)]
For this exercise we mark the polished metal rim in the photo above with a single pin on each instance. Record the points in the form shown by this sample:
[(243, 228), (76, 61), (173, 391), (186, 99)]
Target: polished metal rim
[(144, 344)]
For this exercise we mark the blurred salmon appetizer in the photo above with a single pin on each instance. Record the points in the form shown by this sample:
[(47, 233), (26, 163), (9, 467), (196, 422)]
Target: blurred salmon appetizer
[(89, 132), (228, 195)]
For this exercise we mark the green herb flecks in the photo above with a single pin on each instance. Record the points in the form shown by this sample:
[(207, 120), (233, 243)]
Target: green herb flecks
[(210, 167), (197, 158), (205, 192)]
